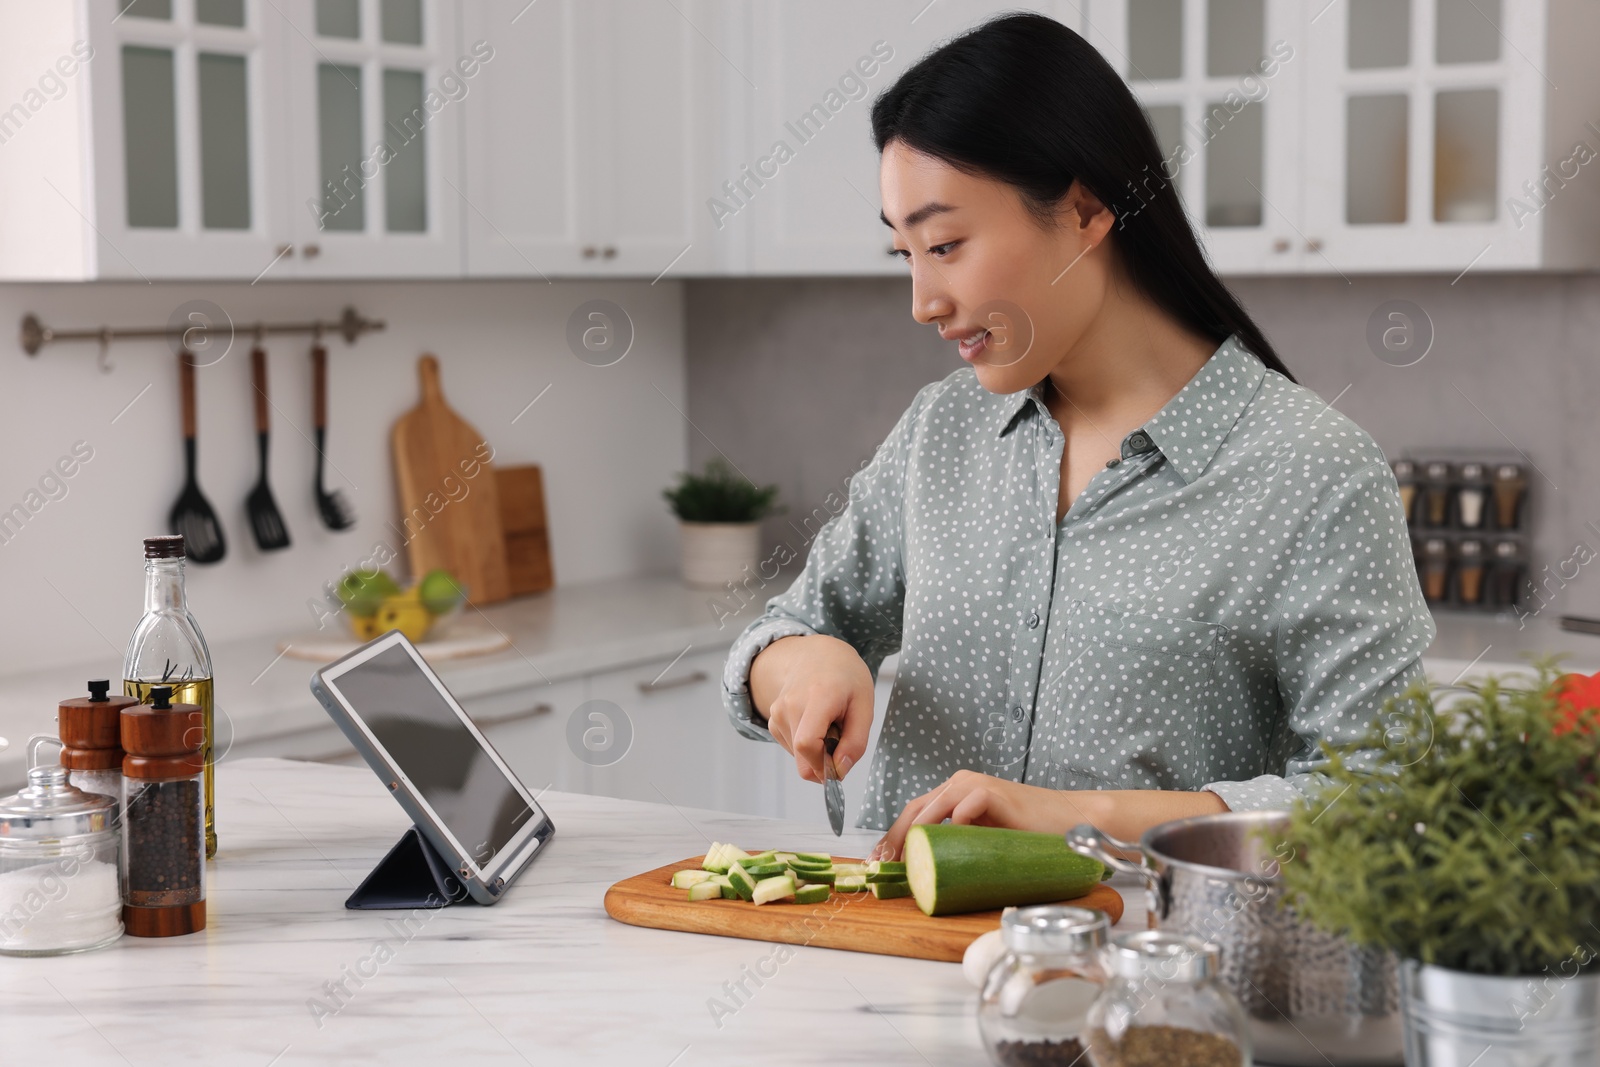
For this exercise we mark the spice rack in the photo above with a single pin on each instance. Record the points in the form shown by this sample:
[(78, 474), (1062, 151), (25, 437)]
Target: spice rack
[(1469, 516)]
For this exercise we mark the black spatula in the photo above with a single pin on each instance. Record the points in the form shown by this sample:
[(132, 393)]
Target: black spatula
[(192, 516), (265, 521), (334, 509)]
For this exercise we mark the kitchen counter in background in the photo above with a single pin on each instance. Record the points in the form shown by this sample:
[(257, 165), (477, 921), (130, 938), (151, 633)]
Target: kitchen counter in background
[(651, 646), (543, 977)]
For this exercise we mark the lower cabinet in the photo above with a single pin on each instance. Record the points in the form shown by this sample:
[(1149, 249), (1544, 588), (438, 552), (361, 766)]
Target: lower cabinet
[(528, 727)]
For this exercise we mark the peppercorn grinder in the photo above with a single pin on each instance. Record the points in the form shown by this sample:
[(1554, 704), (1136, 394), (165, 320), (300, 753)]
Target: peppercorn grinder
[(163, 817)]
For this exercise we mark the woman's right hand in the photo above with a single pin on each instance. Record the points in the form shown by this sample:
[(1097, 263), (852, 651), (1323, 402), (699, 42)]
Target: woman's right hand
[(804, 684)]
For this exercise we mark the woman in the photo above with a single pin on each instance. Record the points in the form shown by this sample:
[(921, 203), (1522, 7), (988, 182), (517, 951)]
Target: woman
[(1133, 570)]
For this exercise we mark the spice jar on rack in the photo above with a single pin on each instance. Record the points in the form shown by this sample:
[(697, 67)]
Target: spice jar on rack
[(1037, 995), (164, 817), (58, 868), (1163, 1005)]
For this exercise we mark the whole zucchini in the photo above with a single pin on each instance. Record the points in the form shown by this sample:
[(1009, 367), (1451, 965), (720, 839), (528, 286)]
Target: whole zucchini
[(954, 869)]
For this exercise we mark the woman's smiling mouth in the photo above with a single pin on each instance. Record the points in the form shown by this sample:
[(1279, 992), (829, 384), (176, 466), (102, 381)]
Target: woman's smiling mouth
[(972, 346)]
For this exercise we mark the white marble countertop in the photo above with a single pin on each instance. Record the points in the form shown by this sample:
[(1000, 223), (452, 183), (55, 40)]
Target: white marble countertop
[(568, 631), (543, 977)]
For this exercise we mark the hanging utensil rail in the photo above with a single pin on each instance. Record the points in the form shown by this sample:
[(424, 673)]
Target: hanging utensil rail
[(350, 325)]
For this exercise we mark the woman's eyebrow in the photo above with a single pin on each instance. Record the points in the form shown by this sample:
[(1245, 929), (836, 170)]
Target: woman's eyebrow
[(922, 214)]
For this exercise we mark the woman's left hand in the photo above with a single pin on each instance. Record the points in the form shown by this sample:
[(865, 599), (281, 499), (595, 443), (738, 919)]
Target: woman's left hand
[(983, 800)]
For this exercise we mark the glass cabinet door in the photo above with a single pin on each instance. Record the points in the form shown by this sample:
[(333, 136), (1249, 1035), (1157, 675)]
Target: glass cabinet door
[(1220, 82), (1410, 152), (376, 91), (184, 179)]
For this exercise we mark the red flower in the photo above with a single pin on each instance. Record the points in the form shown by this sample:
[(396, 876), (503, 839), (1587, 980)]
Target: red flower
[(1577, 698)]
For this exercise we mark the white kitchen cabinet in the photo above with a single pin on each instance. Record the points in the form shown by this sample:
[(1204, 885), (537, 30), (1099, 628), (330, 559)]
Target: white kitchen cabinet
[(1371, 135), (808, 198), (593, 138), (166, 146), (375, 95), (528, 727), (682, 750)]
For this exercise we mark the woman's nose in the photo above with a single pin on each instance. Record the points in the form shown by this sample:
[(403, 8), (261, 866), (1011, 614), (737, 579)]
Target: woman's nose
[(928, 300)]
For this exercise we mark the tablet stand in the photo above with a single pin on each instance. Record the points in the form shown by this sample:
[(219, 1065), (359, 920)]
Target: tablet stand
[(412, 875)]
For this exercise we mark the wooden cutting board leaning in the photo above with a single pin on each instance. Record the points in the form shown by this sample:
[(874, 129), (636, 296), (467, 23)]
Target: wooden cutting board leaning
[(527, 533), (856, 922), (448, 494)]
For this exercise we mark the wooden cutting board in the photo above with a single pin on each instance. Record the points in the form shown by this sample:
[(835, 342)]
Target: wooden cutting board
[(449, 500), (856, 922), (527, 534)]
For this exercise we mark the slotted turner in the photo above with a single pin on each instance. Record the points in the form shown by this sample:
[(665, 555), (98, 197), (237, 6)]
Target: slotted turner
[(266, 523), (192, 515)]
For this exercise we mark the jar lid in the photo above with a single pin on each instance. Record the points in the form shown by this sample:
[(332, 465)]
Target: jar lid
[(49, 807), (1163, 954), (1054, 928), (164, 546)]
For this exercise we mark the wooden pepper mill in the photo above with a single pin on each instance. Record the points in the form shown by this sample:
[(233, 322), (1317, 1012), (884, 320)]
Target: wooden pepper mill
[(163, 817), (91, 738)]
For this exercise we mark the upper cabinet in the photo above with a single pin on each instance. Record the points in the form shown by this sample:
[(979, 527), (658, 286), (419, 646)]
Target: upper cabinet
[(266, 139), (237, 139), (805, 194), (1368, 136), (595, 136)]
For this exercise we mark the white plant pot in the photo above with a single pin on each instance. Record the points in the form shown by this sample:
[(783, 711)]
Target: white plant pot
[(716, 553), (1456, 1019)]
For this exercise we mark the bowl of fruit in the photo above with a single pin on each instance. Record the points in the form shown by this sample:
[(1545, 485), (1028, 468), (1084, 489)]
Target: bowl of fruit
[(375, 603)]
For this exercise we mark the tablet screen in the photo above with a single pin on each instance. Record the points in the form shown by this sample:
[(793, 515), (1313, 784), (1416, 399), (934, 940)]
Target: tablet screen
[(471, 795)]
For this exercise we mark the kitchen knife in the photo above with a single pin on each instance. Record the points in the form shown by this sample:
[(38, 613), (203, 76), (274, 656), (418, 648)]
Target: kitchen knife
[(832, 787)]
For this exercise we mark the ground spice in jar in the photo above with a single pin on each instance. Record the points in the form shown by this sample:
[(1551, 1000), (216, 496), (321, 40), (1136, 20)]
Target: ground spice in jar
[(1162, 1046), (163, 857), (1063, 1053)]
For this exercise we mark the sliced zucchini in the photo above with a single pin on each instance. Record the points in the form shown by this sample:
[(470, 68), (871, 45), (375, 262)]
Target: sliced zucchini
[(889, 890), (850, 883), (895, 867), (763, 870), (813, 877), (814, 857), (811, 894), (741, 881), (705, 891), (729, 893), (780, 887), (690, 879)]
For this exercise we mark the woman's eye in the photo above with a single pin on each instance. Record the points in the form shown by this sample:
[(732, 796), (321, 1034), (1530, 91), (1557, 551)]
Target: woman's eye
[(944, 249), (900, 253)]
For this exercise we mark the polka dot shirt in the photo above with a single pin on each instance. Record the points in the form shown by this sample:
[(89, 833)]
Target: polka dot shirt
[(1236, 588)]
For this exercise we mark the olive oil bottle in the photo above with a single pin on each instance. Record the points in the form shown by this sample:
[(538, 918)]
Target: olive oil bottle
[(167, 648)]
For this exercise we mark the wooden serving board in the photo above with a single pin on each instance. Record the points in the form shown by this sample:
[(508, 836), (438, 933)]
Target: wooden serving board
[(449, 501), (856, 922), (527, 532)]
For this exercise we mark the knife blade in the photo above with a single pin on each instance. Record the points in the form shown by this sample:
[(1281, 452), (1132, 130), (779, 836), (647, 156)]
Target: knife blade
[(832, 787)]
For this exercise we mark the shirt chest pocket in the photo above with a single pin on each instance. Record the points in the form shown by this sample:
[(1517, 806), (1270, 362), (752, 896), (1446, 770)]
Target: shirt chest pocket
[(1140, 678)]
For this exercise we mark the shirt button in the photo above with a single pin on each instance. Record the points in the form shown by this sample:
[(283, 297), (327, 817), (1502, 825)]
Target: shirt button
[(1017, 714), (1138, 442), (1112, 463), (1033, 619)]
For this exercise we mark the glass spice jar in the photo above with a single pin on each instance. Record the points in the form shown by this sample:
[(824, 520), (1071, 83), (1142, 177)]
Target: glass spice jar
[(163, 814), (1037, 995), (1163, 1006), (58, 868)]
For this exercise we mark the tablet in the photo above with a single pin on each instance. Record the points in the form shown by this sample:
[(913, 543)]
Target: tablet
[(434, 760)]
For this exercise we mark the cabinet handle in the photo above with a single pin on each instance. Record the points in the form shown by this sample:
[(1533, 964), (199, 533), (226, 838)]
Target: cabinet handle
[(311, 251), (590, 251), (609, 252), (672, 683), (513, 716), (1280, 245), (1314, 244)]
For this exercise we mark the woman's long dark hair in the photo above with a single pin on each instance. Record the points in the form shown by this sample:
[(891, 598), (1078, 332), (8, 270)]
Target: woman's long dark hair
[(1025, 100)]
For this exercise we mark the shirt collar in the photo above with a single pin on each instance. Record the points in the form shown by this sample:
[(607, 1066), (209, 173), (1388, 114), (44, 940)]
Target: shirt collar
[(1193, 424)]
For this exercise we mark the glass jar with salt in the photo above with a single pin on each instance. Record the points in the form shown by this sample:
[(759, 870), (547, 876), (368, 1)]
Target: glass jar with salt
[(59, 891)]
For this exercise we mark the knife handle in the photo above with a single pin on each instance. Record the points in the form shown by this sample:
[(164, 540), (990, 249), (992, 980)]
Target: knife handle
[(830, 740)]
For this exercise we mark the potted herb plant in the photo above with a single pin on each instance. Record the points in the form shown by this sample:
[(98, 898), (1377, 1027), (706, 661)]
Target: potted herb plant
[(1463, 834), (719, 515)]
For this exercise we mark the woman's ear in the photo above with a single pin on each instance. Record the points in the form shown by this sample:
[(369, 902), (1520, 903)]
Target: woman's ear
[(1083, 210)]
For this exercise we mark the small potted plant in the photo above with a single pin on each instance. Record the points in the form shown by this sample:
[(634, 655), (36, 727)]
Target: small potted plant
[(719, 514), (1463, 834)]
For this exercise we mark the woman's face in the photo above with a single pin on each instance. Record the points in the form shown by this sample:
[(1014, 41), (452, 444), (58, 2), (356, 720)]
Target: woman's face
[(1015, 294)]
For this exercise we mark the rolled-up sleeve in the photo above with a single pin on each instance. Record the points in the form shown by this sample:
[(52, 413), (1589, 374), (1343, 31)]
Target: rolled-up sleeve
[(853, 584), (1352, 631)]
